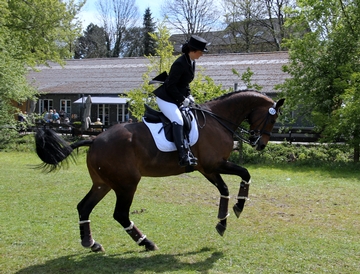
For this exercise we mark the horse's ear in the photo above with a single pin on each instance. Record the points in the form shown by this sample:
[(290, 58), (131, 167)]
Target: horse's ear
[(279, 103)]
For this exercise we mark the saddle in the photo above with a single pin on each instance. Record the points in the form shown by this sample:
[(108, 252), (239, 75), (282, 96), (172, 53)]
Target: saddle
[(153, 116)]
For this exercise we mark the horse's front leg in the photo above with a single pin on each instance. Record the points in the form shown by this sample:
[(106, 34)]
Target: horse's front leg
[(233, 169), (242, 197), (223, 213)]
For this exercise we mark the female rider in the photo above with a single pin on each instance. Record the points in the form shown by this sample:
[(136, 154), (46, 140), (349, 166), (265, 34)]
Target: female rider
[(175, 92)]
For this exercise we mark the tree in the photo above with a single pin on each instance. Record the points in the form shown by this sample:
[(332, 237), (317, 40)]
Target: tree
[(133, 44), (191, 16), (46, 29), (117, 16), (240, 17), (138, 41), (31, 32), (252, 22), (324, 66), (276, 13), (149, 27), (92, 44)]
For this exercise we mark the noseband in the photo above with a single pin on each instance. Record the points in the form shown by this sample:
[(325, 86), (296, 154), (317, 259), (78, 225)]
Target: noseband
[(255, 134)]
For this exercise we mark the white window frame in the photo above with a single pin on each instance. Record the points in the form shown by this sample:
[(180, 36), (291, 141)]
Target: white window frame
[(67, 103), (42, 105)]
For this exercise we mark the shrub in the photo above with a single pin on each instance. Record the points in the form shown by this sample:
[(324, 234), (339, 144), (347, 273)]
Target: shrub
[(312, 154)]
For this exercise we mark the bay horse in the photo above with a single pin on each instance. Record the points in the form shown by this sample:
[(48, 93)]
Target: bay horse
[(118, 158)]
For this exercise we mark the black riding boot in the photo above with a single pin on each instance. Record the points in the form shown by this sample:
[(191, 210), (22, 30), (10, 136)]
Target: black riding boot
[(186, 158)]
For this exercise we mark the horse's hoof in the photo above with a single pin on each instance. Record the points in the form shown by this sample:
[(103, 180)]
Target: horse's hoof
[(149, 245), (237, 210), (220, 228), (152, 247), (96, 247)]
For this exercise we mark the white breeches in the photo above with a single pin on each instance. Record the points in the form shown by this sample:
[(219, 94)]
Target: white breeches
[(171, 111)]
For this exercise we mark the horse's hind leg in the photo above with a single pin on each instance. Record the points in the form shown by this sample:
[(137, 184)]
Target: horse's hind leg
[(84, 208), (124, 199)]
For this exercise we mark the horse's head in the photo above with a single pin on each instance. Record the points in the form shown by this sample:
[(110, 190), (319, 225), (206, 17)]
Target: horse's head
[(262, 121)]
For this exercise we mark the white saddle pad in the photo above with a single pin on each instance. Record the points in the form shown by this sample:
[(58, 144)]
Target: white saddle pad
[(160, 140)]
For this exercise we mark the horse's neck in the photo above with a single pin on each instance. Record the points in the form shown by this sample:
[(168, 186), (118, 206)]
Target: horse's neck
[(234, 108)]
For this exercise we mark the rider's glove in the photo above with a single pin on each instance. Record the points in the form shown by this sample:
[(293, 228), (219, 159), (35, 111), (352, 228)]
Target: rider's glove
[(186, 102), (191, 98)]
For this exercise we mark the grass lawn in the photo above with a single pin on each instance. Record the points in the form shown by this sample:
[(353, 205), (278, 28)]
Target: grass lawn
[(299, 220)]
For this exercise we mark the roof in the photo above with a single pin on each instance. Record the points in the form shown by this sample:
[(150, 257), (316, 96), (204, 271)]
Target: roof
[(103, 100), (111, 76)]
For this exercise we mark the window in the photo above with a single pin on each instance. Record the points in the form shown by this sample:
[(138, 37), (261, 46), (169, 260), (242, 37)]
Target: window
[(65, 105), (122, 113), (103, 113), (45, 104)]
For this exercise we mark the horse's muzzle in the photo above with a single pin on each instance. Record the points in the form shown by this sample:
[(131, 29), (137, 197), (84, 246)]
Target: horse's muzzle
[(260, 147)]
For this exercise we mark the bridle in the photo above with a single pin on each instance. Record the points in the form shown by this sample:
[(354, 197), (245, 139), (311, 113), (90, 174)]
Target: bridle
[(240, 133)]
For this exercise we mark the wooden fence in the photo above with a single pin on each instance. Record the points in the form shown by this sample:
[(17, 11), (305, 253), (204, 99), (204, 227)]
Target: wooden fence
[(74, 130), (280, 134), (295, 134)]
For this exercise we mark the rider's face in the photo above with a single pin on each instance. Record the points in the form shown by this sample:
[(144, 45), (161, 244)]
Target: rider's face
[(195, 54)]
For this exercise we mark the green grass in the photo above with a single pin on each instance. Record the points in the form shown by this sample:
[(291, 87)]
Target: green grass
[(299, 220)]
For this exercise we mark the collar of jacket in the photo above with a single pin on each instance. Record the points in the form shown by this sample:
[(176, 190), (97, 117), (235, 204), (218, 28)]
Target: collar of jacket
[(191, 63)]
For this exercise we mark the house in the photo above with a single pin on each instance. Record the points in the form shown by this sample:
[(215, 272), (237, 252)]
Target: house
[(108, 80)]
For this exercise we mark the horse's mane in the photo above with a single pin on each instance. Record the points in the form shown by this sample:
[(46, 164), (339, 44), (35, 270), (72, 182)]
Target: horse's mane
[(226, 95)]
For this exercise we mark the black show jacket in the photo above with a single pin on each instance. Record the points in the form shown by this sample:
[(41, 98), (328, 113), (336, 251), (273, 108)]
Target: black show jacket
[(176, 86)]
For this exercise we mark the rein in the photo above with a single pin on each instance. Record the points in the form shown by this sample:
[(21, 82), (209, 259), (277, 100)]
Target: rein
[(222, 121)]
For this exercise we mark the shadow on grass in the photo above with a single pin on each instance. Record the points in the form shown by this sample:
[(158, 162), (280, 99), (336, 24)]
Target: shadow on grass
[(102, 263)]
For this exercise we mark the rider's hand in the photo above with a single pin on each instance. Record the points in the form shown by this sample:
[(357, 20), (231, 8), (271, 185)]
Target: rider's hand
[(191, 98), (186, 102)]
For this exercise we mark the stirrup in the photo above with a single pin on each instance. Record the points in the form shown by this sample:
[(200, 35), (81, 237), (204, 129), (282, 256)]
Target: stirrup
[(193, 162), (192, 158), (184, 161), (187, 161)]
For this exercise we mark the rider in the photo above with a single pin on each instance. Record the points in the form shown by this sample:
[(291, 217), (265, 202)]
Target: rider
[(175, 92)]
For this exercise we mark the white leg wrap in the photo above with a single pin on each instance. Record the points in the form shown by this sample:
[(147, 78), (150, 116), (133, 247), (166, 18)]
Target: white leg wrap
[(84, 222), (141, 239), (225, 217), (131, 226), (242, 198), (92, 243)]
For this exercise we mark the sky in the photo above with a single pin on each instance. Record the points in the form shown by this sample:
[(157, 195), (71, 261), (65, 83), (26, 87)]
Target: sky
[(88, 13)]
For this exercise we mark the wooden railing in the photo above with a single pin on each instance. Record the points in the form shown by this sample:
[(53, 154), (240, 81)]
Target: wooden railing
[(295, 134), (72, 129)]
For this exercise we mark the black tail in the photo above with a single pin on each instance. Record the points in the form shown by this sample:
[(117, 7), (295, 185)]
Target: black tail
[(53, 150)]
